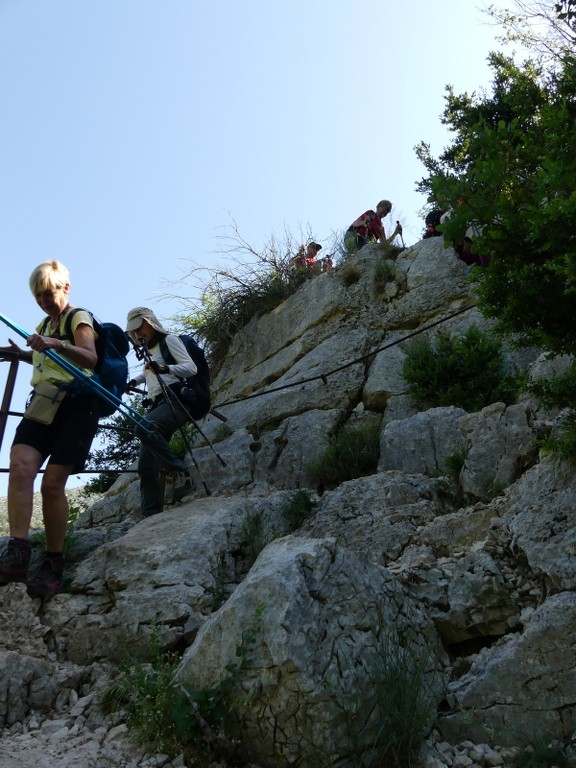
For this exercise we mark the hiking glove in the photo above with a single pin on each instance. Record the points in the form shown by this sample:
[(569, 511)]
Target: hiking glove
[(157, 368)]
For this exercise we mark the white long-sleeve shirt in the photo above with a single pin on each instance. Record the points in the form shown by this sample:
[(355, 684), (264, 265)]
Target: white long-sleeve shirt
[(183, 367)]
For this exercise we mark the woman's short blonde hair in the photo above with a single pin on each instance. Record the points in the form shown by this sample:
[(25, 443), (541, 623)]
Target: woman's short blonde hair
[(49, 275)]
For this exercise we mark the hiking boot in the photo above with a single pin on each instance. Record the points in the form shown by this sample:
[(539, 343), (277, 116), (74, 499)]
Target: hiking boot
[(14, 561), (180, 485), (46, 576)]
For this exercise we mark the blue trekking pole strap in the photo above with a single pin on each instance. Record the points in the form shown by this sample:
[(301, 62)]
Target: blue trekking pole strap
[(79, 374)]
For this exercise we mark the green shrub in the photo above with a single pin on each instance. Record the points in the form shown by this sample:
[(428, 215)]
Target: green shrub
[(119, 448), (349, 244), (559, 392), (164, 716), (221, 432), (403, 712), (464, 371), (258, 281), (229, 308), (352, 452), (159, 715), (348, 275), (454, 463), (297, 510), (542, 752), (182, 439), (384, 273), (562, 442), (253, 536)]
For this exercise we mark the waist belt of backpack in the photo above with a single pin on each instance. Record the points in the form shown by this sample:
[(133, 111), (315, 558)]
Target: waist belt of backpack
[(154, 402), (175, 387)]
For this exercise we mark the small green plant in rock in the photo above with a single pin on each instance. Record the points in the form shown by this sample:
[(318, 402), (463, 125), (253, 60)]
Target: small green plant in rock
[(454, 463), (403, 711), (297, 510), (403, 702), (178, 441), (562, 443), (352, 452), (349, 244), (465, 371), (542, 752), (254, 536), (221, 432), (348, 275), (166, 717), (384, 273), (158, 714)]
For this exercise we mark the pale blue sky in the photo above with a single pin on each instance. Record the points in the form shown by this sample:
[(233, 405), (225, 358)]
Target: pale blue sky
[(131, 132)]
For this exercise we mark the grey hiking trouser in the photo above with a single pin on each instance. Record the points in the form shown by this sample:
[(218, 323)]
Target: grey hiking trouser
[(166, 419)]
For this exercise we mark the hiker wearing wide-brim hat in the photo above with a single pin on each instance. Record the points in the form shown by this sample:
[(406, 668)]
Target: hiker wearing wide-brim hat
[(163, 381), (59, 424)]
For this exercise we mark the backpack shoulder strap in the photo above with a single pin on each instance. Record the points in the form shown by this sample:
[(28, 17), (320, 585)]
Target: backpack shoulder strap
[(69, 335), (68, 322), (165, 352)]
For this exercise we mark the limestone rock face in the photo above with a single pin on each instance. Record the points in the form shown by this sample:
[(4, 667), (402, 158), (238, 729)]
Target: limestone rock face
[(540, 516), (455, 556), (517, 676), (337, 621), (31, 678), (377, 515), (500, 444), (160, 577), (422, 443)]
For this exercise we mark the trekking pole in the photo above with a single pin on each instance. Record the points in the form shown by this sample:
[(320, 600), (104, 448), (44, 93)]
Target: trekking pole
[(140, 354), (151, 437), (81, 376), (170, 396)]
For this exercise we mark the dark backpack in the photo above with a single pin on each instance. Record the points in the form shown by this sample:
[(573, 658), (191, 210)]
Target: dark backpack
[(195, 390), (432, 221), (112, 347)]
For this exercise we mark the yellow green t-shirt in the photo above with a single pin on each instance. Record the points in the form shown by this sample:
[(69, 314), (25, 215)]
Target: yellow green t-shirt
[(46, 369)]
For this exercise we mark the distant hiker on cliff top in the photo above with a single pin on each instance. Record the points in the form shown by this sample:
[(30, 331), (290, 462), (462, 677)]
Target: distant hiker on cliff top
[(306, 258), (369, 228), (464, 249), (432, 222)]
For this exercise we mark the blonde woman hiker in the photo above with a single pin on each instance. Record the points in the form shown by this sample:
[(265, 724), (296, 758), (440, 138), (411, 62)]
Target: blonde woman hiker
[(59, 425)]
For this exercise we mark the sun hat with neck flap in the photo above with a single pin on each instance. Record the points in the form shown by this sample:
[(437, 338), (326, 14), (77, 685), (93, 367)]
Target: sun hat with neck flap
[(137, 315)]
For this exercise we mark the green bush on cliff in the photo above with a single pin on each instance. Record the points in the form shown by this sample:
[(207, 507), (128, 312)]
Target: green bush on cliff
[(465, 371), (402, 710), (352, 451), (257, 282), (510, 169), (164, 716)]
